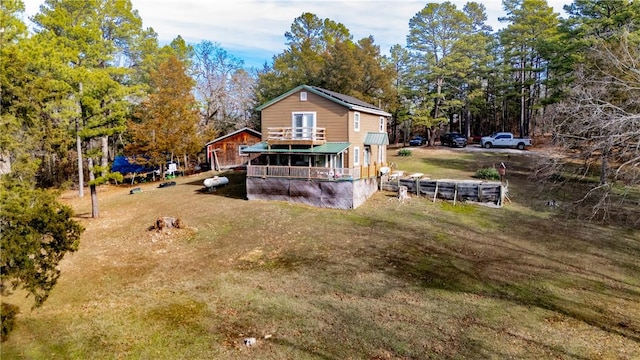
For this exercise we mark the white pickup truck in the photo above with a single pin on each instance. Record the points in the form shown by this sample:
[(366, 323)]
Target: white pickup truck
[(504, 139)]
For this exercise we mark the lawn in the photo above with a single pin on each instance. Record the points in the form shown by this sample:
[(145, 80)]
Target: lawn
[(389, 280)]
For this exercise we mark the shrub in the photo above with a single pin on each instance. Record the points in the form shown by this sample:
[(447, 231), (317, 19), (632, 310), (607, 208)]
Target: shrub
[(8, 318), (488, 174), (404, 152)]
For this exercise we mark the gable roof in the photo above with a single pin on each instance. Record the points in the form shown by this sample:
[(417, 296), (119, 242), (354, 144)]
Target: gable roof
[(253, 132), (345, 100)]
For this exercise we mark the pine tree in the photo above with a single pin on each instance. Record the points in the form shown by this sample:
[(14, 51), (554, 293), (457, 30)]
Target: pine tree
[(92, 40), (36, 231)]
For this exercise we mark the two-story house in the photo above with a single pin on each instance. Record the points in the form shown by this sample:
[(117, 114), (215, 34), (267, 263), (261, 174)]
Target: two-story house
[(318, 147)]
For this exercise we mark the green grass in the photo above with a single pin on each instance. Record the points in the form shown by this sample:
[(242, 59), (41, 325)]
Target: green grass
[(415, 279)]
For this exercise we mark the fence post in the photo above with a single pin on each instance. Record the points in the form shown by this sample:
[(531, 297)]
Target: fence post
[(455, 193), (435, 193)]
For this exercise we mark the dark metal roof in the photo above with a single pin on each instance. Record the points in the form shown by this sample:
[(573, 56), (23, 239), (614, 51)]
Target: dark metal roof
[(345, 100)]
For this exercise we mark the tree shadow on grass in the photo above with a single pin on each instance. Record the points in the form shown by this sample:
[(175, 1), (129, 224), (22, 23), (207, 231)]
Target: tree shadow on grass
[(527, 271), (518, 275), (235, 189)]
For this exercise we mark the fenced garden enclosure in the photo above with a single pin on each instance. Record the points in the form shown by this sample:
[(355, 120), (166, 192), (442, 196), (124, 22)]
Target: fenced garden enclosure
[(479, 191)]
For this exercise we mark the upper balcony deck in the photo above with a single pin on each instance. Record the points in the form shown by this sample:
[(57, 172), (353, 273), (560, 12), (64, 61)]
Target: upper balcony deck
[(296, 136)]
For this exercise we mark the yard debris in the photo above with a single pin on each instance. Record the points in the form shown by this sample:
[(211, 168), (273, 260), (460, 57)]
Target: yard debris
[(552, 203), (167, 184), (402, 193), (249, 341)]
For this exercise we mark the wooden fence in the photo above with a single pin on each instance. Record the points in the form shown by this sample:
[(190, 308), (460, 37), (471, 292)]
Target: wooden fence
[(455, 190)]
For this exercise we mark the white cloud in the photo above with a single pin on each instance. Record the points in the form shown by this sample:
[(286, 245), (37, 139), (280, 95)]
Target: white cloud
[(254, 29)]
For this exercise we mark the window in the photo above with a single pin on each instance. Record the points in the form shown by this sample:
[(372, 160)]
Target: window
[(241, 148), (303, 96), (356, 156), (303, 124), (356, 121), (381, 129)]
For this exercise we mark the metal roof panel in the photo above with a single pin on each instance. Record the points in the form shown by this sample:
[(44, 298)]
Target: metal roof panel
[(376, 138), (327, 148)]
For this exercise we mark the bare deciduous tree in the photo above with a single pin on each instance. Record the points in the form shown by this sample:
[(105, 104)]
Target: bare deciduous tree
[(223, 88), (600, 126)]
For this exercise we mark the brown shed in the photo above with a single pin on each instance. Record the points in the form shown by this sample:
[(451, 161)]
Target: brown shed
[(226, 151)]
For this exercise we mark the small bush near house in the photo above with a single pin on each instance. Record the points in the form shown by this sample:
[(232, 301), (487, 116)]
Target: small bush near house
[(404, 152), (8, 314), (487, 174)]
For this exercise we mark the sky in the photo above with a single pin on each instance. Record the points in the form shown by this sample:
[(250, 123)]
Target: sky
[(253, 30)]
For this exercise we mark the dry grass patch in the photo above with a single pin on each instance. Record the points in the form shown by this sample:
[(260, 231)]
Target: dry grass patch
[(388, 280)]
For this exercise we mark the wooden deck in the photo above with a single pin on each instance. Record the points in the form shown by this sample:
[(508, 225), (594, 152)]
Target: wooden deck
[(296, 136)]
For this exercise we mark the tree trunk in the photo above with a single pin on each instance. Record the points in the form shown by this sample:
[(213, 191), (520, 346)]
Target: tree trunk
[(79, 148), (104, 158), (467, 123), (95, 213), (467, 115), (80, 169), (436, 110), (92, 187), (522, 98), (432, 135), (604, 167)]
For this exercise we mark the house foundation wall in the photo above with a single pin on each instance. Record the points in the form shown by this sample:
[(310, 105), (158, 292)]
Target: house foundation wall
[(327, 194), (363, 189)]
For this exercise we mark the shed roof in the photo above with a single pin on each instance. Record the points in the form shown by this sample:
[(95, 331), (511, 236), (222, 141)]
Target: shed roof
[(376, 138), (347, 101), (327, 148), (253, 132)]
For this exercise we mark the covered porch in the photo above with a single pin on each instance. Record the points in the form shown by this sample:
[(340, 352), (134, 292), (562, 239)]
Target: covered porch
[(322, 162)]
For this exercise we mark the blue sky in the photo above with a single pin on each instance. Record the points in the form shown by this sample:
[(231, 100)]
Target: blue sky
[(253, 30)]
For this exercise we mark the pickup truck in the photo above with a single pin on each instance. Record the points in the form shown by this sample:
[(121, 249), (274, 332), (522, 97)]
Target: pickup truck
[(504, 139)]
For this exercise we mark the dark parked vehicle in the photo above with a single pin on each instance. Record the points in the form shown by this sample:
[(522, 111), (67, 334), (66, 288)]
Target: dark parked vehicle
[(417, 141), (453, 139)]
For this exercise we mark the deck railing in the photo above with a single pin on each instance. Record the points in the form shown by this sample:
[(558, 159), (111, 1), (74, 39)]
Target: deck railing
[(296, 134), (305, 172)]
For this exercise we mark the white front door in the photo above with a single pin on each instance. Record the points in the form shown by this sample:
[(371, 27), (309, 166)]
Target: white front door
[(367, 156)]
